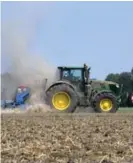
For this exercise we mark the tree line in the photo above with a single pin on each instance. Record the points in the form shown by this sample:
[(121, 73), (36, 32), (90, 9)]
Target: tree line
[(124, 78)]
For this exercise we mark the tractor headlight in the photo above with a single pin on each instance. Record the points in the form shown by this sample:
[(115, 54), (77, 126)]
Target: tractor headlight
[(117, 85), (115, 88)]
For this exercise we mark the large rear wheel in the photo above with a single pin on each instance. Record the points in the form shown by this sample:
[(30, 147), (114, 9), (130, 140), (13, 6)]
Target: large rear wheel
[(105, 102), (62, 98)]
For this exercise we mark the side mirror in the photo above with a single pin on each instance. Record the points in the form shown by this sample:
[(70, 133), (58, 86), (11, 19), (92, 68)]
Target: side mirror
[(89, 69)]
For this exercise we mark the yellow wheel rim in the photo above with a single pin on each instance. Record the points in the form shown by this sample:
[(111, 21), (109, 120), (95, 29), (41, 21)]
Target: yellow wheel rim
[(106, 105), (61, 101)]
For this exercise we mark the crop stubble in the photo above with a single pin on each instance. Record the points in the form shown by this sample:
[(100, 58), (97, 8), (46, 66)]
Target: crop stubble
[(64, 138)]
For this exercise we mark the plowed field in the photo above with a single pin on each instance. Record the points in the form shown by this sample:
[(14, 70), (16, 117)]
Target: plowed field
[(67, 138)]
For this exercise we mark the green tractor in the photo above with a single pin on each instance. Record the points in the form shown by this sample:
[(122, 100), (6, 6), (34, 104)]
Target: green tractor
[(75, 89)]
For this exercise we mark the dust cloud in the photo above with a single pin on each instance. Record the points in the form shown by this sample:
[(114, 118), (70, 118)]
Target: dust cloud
[(18, 31), (24, 67)]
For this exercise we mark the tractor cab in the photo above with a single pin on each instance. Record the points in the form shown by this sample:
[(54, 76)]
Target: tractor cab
[(75, 74)]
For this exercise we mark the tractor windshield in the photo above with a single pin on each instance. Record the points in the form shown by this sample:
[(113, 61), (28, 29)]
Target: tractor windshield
[(72, 74)]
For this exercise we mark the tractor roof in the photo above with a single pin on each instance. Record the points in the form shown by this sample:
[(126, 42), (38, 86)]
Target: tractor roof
[(69, 67)]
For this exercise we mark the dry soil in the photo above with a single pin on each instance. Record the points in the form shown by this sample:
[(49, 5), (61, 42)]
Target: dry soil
[(67, 138)]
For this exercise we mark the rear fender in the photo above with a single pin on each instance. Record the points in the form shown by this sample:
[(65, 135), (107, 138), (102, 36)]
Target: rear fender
[(59, 83)]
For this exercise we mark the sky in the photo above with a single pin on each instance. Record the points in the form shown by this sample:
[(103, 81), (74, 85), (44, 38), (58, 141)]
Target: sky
[(73, 33)]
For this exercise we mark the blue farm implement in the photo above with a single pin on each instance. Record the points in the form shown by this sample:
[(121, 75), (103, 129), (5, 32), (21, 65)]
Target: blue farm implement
[(21, 96)]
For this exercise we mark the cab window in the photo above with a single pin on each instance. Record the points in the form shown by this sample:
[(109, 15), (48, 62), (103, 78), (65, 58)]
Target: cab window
[(76, 74), (66, 73)]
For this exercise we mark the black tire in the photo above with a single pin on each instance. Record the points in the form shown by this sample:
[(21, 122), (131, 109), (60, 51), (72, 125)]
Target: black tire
[(102, 96), (63, 88)]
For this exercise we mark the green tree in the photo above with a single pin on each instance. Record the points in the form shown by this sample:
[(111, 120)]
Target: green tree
[(132, 78), (125, 79), (113, 77), (132, 71)]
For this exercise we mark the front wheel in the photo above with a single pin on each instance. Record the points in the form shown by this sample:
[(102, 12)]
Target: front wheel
[(105, 103)]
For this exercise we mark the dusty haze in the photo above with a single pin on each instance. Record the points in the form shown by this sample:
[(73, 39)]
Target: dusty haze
[(25, 67), (18, 33)]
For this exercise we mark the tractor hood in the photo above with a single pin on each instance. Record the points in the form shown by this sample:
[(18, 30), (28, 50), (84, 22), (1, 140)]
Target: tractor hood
[(104, 82), (107, 85)]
